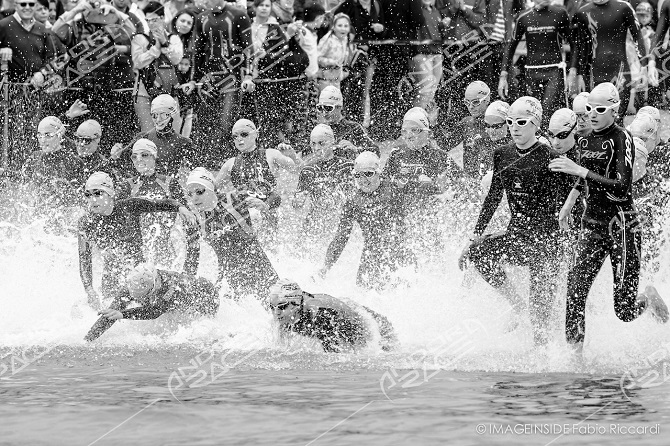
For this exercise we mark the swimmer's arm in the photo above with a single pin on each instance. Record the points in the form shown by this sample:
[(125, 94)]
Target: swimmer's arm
[(508, 53), (85, 259), (223, 177), (623, 157), (288, 162), (341, 237), (142, 205), (491, 202), (143, 313), (192, 251)]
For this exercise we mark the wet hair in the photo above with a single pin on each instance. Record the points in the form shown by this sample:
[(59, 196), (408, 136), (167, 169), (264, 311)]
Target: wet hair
[(154, 8)]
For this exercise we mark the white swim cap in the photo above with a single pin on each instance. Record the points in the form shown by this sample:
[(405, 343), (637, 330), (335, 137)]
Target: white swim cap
[(498, 109), (367, 161), (651, 111), (643, 126), (285, 290), (526, 107), (164, 102), (51, 124), (141, 280), (89, 129), (417, 115), (477, 90), (579, 102), (244, 124), (100, 181), (563, 119), (322, 130), (331, 96), (145, 145), (203, 177), (604, 94)]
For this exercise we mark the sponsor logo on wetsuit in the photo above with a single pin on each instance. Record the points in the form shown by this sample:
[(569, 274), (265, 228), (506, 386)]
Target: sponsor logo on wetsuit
[(590, 154)]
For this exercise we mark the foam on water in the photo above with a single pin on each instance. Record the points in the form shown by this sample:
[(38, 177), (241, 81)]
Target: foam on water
[(440, 323)]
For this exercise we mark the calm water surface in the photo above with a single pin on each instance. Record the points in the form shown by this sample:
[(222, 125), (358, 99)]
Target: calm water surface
[(111, 396)]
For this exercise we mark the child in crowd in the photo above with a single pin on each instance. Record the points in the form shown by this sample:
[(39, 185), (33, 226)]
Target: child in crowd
[(186, 101), (334, 52)]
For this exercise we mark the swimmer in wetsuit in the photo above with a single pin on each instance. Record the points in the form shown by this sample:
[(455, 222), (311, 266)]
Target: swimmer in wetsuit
[(157, 292), (600, 34), (610, 225), (156, 227), (545, 27), (520, 170), (226, 225), (325, 179), (113, 226), (377, 207), (583, 122), (339, 324)]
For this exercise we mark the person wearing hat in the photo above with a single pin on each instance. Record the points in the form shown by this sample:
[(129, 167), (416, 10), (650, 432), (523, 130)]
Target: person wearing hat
[(350, 136), (650, 194), (325, 180), (471, 131), (545, 27), (55, 165), (338, 324), (113, 226), (157, 292), (520, 171), (610, 224), (498, 133), (176, 154), (226, 226), (149, 184), (579, 107), (254, 171), (416, 162), (378, 208), (87, 142)]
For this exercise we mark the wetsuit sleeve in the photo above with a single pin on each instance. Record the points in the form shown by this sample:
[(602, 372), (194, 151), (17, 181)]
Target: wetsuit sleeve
[(492, 200), (306, 179), (342, 236), (192, 251), (623, 159), (85, 256), (661, 29), (508, 55), (581, 42), (141, 205), (143, 313), (361, 139), (103, 324), (634, 27), (391, 167), (176, 191)]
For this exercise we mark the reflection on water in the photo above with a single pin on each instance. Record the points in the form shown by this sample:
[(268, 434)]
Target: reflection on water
[(595, 398), (80, 396)]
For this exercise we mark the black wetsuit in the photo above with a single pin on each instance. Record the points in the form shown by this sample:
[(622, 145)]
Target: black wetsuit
[(530, 238), (119, 237), (156, 227), (651, 195), (242, 261), (600, 33), (405, 165), (610, 227), (177, 292), (56, 174), (328, 183), (545, 29), (337, 325), (251, 174), (380, 215), (174, 152)]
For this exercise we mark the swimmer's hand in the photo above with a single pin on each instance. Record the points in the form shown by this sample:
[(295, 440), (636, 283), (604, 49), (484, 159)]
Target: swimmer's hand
[(188, 216), (93, 299), (78, 108), (257, 204), (116, 151), (564, 164), (565, 217), (111, 314), (464, 258), (299, 200)]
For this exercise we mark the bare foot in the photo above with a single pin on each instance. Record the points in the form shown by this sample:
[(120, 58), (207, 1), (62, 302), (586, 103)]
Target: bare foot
[(655, 305)]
